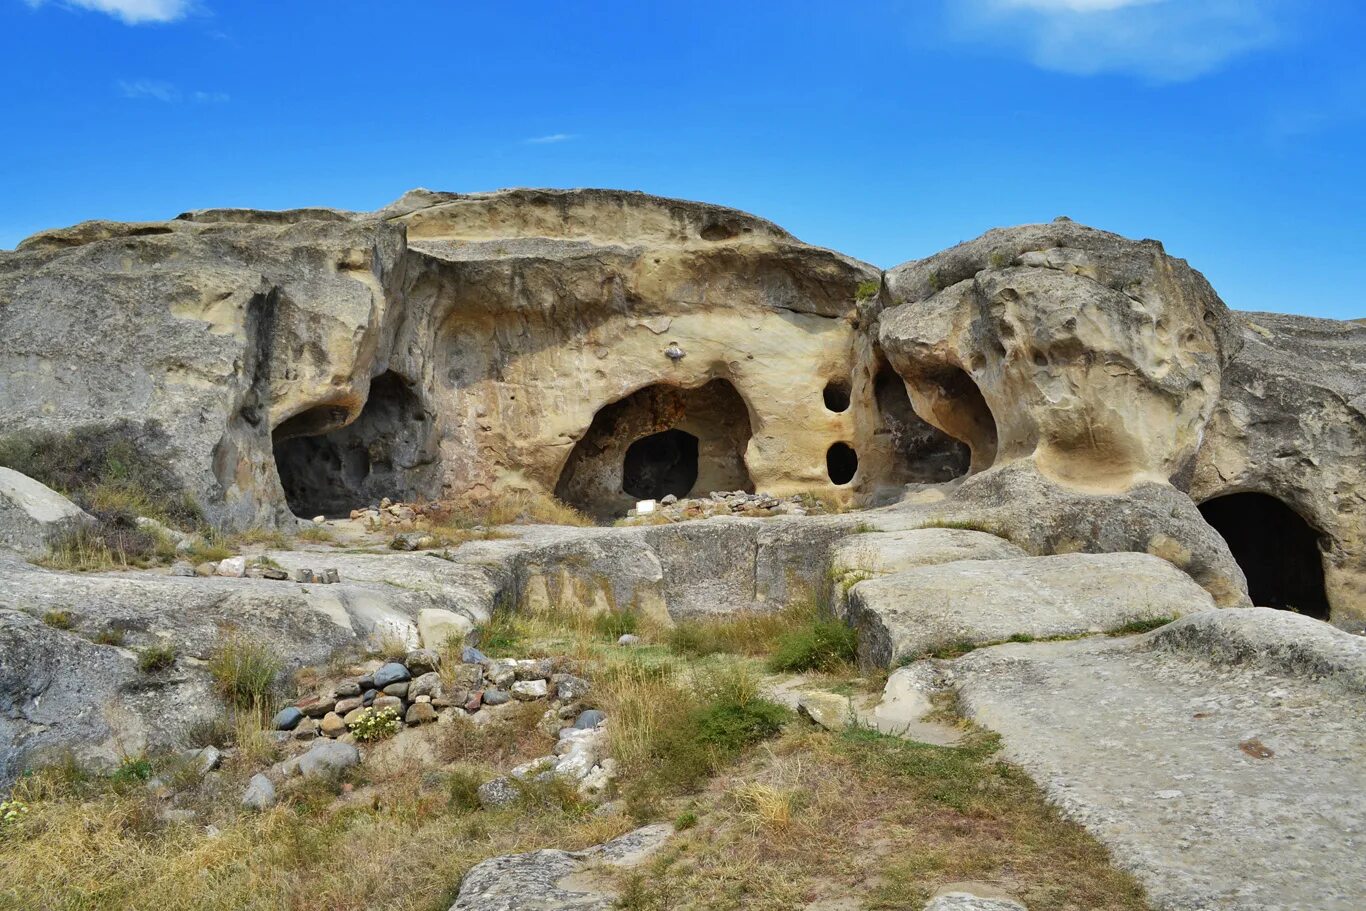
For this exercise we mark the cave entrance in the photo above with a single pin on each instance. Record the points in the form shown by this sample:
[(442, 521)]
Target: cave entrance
[(920, 452), (328, 467), (659, 440), (1277, 550), (660, 464)]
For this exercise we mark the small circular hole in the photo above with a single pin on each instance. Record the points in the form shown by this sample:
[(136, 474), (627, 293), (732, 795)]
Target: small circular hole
[(840, 463), (836, 395)]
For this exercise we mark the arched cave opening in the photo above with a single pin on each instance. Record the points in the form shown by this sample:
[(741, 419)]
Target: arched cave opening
[(1276, 548), (920, 452), (389, 450), (659, 440), (836, 396), (660, 464), (841, 463), (964, 413)]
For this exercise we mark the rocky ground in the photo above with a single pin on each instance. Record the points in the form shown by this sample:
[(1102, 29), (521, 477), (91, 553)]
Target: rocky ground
[(673, 715)]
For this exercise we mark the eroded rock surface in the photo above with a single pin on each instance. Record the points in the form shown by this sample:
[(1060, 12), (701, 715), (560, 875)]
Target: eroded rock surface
[(1095, 356), (918, 611), (1218, 757), (557, 880), (1292, 425)]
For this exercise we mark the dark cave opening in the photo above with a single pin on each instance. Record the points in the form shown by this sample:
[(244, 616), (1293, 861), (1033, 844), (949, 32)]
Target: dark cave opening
[(836, 395), (1276, 548), (660, 464), (841, 463), (657, 441), (921, 452), (389, 450)]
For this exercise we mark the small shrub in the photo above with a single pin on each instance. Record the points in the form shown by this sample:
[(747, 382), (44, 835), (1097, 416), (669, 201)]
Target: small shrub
[(218, 731), (685, 821), (132, 771), (59, 619), (156, 658), (112, 635), (502, 636), (867, 290), (612, 625), (463, 790), (316, 534), (245, 671), (375, 724), (824, 645)]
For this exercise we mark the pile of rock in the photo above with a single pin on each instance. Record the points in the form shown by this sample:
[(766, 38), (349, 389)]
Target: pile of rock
[(417, 691), (580, 758), (720, 503), (389, 513), (246, 568)]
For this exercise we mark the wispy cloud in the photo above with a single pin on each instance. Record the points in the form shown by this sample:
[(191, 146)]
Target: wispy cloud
[(132, 12), (156, 90), (548, 140), (1161, 40)]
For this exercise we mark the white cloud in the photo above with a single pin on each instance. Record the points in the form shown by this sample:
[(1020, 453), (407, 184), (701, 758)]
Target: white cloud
[(1162, 40), (552, 138), (132, 12), (156, 90)]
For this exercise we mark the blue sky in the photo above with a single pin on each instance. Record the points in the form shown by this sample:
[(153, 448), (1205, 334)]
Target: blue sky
[(1232, 130)]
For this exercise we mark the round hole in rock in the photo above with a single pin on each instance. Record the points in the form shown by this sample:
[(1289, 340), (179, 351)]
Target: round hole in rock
[(660, 464), (1276, 548), (836, 395), (841, 462)]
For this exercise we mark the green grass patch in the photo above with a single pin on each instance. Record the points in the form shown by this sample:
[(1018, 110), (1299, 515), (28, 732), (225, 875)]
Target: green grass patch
[(819, 644), (156, 658), (59, 619), (1140, 625), (245, 671)]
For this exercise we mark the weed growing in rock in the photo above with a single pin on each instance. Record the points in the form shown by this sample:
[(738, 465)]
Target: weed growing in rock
[(156, 658), (59, 619), (1140, 625), (245, 671), (111, 635)]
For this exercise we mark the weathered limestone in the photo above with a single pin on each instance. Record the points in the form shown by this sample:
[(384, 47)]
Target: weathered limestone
[(1095, 356), (557, 880), (1292, 425), (975, 602), (1219, 758), (32, 514), (872, 554)]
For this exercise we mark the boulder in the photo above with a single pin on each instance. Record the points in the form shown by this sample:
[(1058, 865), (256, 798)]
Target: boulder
[(864, 556), (978, 602), (497, 793), (287, 719), (435, 626), (545, 881), (1094, 356), (260, 793), (324, 758), (32, 514), (829, 710), (393, 672), (528, 690), (1044, 517)]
